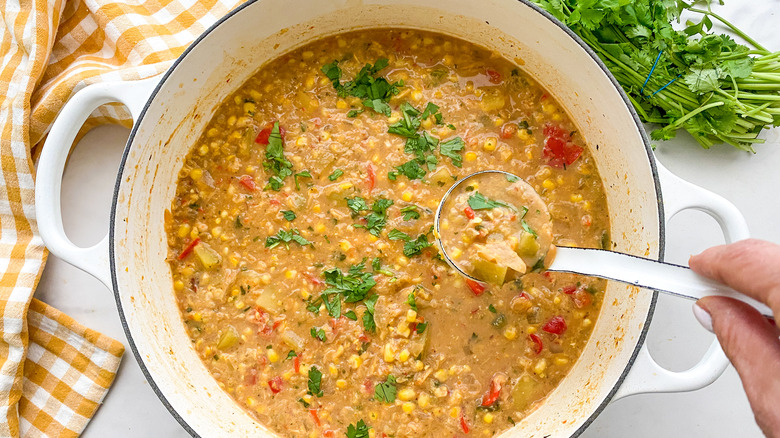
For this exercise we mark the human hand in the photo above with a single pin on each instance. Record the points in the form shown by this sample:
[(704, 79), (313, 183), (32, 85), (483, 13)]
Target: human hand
[(751, 341)]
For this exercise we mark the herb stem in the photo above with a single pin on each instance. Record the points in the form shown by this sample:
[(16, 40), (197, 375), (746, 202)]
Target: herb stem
[(735, 29)]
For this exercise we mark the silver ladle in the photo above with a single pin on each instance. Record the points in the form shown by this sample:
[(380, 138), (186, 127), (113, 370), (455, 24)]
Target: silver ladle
[(645, 273)]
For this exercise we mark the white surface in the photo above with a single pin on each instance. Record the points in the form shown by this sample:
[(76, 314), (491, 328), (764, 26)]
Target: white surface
[(721, 410)]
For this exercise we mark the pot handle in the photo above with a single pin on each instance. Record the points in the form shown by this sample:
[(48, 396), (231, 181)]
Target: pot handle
[(646, 375), (51, 165)]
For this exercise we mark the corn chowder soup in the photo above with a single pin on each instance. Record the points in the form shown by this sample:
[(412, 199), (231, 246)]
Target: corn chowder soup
[(301, 246)]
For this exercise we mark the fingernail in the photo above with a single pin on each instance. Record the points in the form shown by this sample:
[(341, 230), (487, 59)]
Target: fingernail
[(703, 317)]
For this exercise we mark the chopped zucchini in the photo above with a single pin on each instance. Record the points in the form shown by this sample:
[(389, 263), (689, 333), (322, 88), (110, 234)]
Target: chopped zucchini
[(292, 339), (228, 339), (268, 301), (525, 392), (207, 256), (490, 272), (441, 177), (527, 246)]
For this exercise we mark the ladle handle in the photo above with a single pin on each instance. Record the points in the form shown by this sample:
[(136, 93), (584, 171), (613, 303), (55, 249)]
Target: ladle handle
[(664, 277)]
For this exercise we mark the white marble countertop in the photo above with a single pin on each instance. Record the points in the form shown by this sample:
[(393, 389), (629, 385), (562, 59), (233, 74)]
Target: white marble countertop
[(675, 339)]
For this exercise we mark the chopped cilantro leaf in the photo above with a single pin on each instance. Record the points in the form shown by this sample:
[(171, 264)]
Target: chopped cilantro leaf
[(315, 382), (304, 174), (285, 237), (451, 149), (386, 391), (377, 218), (289, 215), (421, 327), (351, 315), (357, 204), (411, 301), (477, 201), (318, 334), (335, 175), (291, 355), (414, 247), (358, 431), (275, 162), (410, 212), (354, 113), (368, 317)]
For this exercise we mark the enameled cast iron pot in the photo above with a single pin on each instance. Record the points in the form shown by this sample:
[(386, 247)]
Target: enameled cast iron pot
[(171, 112)]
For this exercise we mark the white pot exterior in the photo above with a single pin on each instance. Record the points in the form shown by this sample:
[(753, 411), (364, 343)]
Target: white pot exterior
[(230, 53)]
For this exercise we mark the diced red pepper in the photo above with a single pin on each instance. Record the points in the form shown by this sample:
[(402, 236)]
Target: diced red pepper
[(314, 415), (558, 148), (464, 425), (248, 182), (556, 325), (265, 133), (492, 395), (329, 434), (538, 345), (582, 298), (568, 290), (275, 384), (316, 281), (475, 286), (371, 177), (469, 212), (273, 201), (508, 130), (188, 249), (493, 76), (297, 364)]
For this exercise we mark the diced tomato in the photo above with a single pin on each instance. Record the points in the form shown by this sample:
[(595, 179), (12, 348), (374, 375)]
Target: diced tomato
[(275, 384), (188, 249), (492, 395), (538, 345), (368, 386), (582, 298), (493, 76), (371, 177), (248, 182), (262, 136), (475, 286), (508, 130), (556, 325), (297, 364), (558, 148), (469, 212), (548, 275), (329, 434), (273, 201), (568, 290), (464, 425), (364, 338), (314, 415)]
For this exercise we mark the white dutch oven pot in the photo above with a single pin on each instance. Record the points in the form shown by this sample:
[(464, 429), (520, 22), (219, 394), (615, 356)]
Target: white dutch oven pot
[(170, 113)]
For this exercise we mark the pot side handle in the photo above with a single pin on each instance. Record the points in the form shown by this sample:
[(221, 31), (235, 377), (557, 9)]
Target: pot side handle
[(51, 165), (646, 375)]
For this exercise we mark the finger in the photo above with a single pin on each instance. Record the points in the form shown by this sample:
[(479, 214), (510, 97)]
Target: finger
[(752, 345), (749, 266)]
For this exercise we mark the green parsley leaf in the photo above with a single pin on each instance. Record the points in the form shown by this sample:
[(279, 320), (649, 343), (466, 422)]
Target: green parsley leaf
[(410, 212), (528, 228), (357, 204), (395, 234), (275, 162), (353, 286), (318, 334), (411, 301), (354, 113), (375, 91), (421, 327), (368, 317), (315, 382), (386, 391), (335, 175), (289, 215), (411, 169), (351, 315), (414, 247), (304, 174), (479, 202), (285, 237), (492, 309), (377, 219), (358, 431), (451, 149), (291, 355), (238, 223)]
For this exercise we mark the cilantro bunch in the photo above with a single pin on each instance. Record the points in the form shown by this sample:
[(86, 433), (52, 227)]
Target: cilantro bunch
[(707, 84)]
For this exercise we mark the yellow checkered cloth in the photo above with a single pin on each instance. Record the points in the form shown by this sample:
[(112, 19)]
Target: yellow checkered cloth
[(54, 372)]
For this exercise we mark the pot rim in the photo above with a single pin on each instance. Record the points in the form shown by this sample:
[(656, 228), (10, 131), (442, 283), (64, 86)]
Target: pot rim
[(643, 134)]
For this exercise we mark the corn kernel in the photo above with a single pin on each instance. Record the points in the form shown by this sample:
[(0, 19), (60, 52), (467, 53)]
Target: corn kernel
[(448, 60), (408, 407), (178, 285), (319, 228), (196, 174), (487, 418), (333, 370), (373, 415), (265, 279), (586, 322), (302, 141), (342, 104), (345, 186), (197, 317), (456, 253), (273, 356), (427, 123), (373, 238), (389, 354), (345, 246), (561, 360), (407, 394), (287, 375), (402, 260), (576, 197), (586, 205), (406, 196), (305, 294), (441, 375), (470, 156), (557, 300), (510, 333), (290, 273), (249, 107), (548, 184), (316, 208), (416, 95), (423, 400), (371, 433), (490, 144), (341, 383), (531, 330), (540, 366), (403, 356), (251, 402), (419, 365), (522, 134), (548, 108), (455, 412)]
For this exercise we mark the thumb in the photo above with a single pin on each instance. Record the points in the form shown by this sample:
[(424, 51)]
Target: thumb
[(751, 343)]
